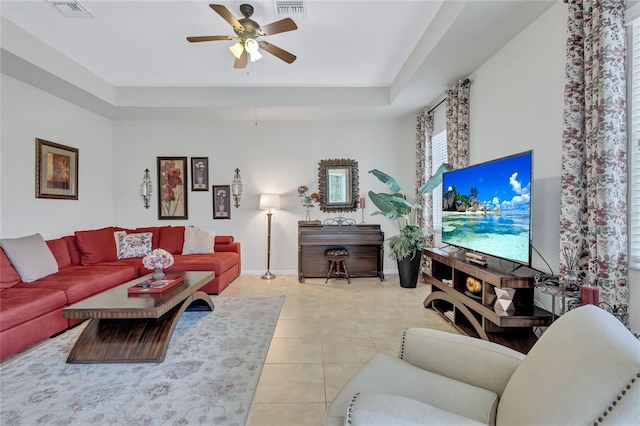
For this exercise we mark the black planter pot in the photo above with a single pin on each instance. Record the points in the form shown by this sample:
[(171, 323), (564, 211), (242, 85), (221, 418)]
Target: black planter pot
[(408, 269)]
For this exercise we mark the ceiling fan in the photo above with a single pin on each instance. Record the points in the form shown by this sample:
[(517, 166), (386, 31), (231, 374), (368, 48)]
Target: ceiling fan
[(248, 31)]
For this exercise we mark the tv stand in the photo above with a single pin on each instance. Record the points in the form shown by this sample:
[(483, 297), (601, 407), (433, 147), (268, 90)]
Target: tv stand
[(475, 313), (515, 269)]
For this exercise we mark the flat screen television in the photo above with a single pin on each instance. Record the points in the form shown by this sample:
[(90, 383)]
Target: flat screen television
[(486, 208)]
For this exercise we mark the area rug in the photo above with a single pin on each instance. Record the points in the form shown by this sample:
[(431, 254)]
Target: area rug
[(209, 375)]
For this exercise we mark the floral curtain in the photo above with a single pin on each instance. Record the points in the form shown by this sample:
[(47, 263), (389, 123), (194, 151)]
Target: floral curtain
[(457, 110), (424, 134), (458, 124), (593, 216)]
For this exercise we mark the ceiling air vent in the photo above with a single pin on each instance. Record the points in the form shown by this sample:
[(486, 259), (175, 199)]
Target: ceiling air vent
[(291, 8), (71, 8)]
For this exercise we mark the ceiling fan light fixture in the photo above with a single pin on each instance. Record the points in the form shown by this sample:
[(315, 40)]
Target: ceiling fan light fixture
[(237, 50), (247, 31), (255, 56), (251, 46)]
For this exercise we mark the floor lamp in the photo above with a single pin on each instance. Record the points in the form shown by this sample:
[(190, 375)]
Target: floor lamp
[(268, 202)]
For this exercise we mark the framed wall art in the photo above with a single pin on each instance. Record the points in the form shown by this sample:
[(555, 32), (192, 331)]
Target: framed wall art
[(199, 173), (172, 188), (56, 171), (221, 202)]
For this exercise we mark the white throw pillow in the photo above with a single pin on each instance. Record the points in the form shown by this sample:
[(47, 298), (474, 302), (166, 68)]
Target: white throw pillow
[(134, 245), (30, 256), (198, 241)]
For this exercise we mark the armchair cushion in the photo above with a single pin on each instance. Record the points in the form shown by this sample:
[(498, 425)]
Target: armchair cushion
[(386, 374), (384, 409), (458, 357)]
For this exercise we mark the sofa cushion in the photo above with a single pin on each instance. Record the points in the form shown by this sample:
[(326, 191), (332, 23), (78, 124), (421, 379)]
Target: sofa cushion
[(74, 252), (198, 241), (97, 245), (578, 367), (172, 239), (134, 262), (116, 236), (219, 262), (21, 304), (155, 231), (79, 282), (134, 245), (8, 275), (60, 251), (30, 256)]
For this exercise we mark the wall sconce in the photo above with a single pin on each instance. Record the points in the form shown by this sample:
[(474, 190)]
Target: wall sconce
[(146, 188), (236, 188)]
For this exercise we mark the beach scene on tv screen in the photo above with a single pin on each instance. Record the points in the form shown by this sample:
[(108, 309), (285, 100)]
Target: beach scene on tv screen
[(487, 207)]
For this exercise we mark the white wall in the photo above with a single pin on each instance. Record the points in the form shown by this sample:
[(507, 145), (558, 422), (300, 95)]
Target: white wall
[(29, 113), (272, 157), (515, 105)]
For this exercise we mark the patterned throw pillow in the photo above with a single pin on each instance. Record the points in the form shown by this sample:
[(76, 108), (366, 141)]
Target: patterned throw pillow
[(134, 245)]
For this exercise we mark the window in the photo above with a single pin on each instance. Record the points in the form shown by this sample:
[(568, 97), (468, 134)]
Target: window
[(438, 157), (634, 146)]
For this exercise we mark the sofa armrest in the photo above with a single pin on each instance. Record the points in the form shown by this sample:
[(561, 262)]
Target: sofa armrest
[(231, 247), (383, 409), (467, 359)]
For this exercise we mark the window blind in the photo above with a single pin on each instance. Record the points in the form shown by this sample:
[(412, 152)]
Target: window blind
[(438, 157)]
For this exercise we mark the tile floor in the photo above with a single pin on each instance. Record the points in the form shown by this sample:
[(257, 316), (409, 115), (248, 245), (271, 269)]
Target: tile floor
[(325, 333)]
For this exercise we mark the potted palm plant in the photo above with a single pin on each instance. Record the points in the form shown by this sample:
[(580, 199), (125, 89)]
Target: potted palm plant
[(406, 247)]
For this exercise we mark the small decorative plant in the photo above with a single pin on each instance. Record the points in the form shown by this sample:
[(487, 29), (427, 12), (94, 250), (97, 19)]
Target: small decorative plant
[(158, 259), (307, 200)]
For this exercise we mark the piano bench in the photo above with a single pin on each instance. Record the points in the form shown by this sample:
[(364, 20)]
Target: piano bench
[(336, 258)]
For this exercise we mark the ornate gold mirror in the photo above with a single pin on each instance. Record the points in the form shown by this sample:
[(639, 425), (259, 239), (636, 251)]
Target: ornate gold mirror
[(338, 185)]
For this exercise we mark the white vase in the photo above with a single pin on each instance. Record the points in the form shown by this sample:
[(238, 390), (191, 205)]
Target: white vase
[(157, 274)]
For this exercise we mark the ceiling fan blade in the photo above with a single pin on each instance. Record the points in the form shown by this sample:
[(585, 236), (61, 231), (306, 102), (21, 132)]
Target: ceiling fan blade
[(227, 16), (278, 52), (277, 27), (208, 38), (241, 62)]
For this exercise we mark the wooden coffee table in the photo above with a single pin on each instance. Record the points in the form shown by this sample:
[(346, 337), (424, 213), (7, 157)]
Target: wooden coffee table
[(126, 327)]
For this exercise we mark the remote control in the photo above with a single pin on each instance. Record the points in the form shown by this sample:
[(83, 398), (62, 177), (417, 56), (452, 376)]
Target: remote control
[(478, 262)]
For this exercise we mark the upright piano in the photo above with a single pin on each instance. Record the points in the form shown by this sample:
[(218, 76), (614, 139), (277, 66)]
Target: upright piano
[(364, 242)]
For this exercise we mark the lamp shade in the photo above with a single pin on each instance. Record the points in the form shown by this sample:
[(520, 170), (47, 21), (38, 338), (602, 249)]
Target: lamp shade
[(269, 201), (251, 45), (237, 50), (255, 56)]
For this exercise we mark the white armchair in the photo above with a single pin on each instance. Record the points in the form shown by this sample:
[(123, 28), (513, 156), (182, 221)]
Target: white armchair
[(585, 369)]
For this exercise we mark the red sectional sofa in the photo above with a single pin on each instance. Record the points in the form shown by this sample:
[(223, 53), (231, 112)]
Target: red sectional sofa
[(88, 264)]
